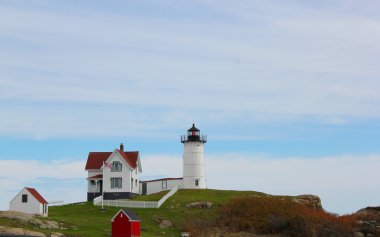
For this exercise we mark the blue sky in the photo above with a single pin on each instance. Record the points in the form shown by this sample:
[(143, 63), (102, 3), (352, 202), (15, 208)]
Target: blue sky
[(288, 89)]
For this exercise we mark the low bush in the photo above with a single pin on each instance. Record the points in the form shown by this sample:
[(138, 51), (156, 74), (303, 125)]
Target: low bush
[(271, 215)]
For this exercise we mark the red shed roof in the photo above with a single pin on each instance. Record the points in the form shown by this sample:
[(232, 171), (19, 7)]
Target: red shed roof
[(95, 159), (130, 214), (37, 195)]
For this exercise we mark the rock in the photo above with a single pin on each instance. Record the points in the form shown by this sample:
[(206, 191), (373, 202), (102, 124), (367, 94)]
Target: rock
[(358, 234), (44, 224), (9, 231), (368, 220), (200, 205), (19, 216), (166, 224), (52, 224), (308, 200), (37, 222), (57, 234)]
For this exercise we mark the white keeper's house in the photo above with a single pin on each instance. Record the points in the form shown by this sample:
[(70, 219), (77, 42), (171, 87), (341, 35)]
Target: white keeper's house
[(117, 174)]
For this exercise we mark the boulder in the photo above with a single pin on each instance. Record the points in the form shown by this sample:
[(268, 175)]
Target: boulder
[(308, 200), (200, 205), (44, 224), (56, 234), (166, 224), (52, 224), (358, 234)]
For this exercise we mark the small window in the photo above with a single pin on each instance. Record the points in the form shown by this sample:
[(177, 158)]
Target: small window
[(116, 166), (93, 183), (116, 182), (164, 184), (45, 209), (136, 182), (25, 198), (197, 182)]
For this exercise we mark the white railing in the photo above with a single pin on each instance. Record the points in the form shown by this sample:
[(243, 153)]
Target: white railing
[(135, 204), (168, 195), (55, 202), (98, 200)]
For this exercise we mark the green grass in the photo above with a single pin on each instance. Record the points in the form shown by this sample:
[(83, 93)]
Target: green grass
[(152, 197), (88, 220)]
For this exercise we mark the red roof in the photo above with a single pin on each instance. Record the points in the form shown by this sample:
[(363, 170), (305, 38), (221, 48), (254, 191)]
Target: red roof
[(154, 180), (95, 159), (37, 195)]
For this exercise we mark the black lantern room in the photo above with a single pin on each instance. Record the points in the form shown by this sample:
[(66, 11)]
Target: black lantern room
[(193, 135)]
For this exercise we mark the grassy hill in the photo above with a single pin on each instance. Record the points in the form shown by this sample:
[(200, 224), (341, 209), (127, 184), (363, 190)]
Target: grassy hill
[(234, 213), (88, 220)]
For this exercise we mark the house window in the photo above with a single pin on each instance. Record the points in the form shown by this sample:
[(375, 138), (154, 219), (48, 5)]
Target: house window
[(116, 182), (116, 166), (93, 182), (45, 209), (24, 198), (196, 183), (131, 182), (164, 184), (136, 182)]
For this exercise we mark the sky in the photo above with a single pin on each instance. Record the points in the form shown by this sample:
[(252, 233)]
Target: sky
[(286, 91)]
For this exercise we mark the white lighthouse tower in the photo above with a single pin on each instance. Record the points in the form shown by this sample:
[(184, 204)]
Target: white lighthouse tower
[(194, 175)]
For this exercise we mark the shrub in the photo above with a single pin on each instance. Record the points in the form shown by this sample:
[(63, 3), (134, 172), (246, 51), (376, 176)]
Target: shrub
[(271, 215)]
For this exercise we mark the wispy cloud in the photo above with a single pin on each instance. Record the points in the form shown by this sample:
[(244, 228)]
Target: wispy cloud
[(55, 180), (272, 65), (344, 183)]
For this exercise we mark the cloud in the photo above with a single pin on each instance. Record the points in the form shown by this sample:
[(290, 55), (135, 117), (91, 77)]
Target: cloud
[(344, 183), (26, 169), (55, 180), (298, 67)]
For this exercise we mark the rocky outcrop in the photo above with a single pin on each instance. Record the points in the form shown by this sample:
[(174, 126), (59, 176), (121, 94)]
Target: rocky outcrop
[(308, 200), (30, 219), (10, 231), (200, 205), (368, 222)]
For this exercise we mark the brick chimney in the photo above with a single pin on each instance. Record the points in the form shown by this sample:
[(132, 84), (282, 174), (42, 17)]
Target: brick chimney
[(121, 147)]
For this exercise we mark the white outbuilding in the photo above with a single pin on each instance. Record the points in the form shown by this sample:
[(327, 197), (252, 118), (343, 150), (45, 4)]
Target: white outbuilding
[(28, 200)]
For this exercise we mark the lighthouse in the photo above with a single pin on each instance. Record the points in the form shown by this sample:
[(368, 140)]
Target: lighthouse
[(194, 175)]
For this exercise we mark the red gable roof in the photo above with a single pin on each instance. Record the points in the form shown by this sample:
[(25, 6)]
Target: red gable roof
[(95, 159), (154, 180), (37, 195)]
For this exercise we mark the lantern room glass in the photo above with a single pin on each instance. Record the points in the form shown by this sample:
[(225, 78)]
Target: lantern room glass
[(193, 133)]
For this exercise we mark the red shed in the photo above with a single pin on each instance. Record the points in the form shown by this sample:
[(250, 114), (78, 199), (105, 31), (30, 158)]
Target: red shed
[(125, 224)]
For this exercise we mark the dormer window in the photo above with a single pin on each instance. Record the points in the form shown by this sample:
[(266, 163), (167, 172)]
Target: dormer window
[(116, 166)]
